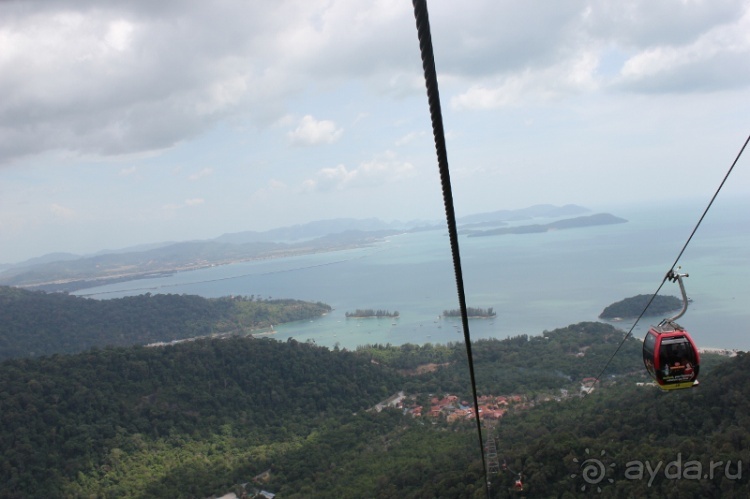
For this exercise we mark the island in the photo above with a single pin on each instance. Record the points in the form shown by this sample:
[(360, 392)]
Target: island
[(363, 314), (473, 313), (568, 223), (631, 308)]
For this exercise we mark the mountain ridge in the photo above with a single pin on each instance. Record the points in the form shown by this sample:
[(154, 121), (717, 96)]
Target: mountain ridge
[(65, 272)]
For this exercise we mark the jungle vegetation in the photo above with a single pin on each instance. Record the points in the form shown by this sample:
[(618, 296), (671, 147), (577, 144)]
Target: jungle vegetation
[(368, 312), (471, 311), (210, 416), (34, 323), (631, 308)]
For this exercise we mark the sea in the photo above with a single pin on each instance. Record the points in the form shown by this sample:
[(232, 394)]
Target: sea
[(534, 282)]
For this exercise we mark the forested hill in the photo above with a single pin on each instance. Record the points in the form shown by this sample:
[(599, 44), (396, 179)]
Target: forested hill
[(569, 223), (631, 428), (38, 323), (202, 417), (175, 407), (631, 308)]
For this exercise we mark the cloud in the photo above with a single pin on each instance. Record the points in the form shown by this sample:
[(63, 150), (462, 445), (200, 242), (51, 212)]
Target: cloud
[(117, 78), (130, 170), (119, 35), (310, 132), (642, 24), (327, 179), (714, 61), (379, 171), (185, 204), (675, 46), (60, 211), (125, 78), (531, 87), (131, 77), (409, 138), (205, 172), (275, 185)]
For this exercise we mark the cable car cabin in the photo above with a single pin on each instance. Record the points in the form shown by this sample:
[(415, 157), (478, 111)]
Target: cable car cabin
[(670, 356)]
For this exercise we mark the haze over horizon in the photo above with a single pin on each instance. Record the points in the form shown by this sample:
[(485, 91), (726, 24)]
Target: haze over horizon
[(319, 228), (132, 123)]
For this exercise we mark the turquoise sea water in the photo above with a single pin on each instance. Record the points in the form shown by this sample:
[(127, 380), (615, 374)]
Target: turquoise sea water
[(535, 282)]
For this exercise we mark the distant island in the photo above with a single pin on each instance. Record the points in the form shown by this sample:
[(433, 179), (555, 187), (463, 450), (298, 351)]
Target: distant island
[(474, 313), (65, 272), (631, 308), (361, 314), (568, 223)]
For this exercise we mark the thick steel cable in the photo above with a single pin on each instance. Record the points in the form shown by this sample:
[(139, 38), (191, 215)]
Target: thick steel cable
[(433, 97), (679, 255)]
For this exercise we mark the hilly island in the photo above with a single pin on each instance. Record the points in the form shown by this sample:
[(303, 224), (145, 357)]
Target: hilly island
[(631, 308), (68, 272)]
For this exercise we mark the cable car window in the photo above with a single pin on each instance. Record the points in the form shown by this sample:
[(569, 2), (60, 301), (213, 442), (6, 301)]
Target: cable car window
[(648, 344)]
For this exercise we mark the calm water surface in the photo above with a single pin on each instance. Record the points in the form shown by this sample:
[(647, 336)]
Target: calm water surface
[(535, 282)]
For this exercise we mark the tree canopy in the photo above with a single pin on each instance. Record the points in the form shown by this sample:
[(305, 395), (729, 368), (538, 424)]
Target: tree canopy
[(213, 415), (631, 308), (34, 323)]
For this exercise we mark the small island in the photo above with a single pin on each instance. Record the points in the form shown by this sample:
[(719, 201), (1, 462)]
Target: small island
[(631, 308), (473, 313), (568, 223), (362, 314)]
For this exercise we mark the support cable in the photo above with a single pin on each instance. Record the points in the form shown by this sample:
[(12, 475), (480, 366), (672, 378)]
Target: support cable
[(671, 270), (433, 97)]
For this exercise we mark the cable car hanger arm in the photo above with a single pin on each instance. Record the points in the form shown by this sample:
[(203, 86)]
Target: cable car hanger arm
[(672, 276)]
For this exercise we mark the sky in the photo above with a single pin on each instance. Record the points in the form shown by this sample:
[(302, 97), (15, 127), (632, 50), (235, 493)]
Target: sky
[(133, 122)]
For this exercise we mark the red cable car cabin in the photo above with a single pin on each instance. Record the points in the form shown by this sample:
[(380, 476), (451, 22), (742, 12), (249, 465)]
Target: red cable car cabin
[(669, 353), (671, 357)]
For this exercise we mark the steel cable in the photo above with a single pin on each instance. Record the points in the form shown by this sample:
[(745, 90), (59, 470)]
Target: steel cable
[(433, 97)]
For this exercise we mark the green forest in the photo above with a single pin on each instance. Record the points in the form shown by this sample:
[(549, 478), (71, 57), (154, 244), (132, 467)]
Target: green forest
[(700, 436), (631, 308), (369, 312), (471, 312), (152, 420), (34, 323), (241, 414)]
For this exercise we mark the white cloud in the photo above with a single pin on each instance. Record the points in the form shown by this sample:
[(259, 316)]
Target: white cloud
[(379, 171), (673, 46), (205, 172), (133, 77), (310, 132), (409, 138), (386, 169), (185, 204), (531, 87), (715, 60), (119, 35), (60, 211), (274, 184), (641, 24), (327, 179)]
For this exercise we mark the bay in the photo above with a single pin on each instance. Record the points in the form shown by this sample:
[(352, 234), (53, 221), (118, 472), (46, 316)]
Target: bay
[(535, 282)]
